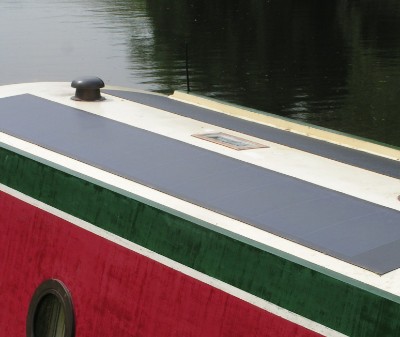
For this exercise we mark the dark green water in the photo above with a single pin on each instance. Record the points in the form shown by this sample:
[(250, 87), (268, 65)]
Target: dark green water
[(331, 63)]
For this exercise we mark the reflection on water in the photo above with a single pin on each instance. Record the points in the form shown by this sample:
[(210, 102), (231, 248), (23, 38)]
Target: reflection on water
[(330, 63)]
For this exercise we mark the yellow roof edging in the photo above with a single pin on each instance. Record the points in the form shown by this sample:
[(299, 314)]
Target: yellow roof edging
[(283, 123)]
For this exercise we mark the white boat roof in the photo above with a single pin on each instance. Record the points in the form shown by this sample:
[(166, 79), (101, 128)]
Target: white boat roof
[(306, 198)]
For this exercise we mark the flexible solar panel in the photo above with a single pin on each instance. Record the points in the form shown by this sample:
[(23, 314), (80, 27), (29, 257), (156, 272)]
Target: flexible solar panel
[(318, 147)]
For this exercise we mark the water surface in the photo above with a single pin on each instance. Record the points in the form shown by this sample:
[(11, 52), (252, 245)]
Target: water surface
[(330, 63)]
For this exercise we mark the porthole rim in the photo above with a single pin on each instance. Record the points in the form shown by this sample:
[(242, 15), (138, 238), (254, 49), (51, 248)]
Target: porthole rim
[(57, 288)]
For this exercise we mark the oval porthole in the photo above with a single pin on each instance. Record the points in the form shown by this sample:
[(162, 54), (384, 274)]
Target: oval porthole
[(50, 311)]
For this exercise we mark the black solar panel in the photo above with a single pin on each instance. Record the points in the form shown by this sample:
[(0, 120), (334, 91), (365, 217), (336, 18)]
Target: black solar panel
[(345, 155), (348, 228)]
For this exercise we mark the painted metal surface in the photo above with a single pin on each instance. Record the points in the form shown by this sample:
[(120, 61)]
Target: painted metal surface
[(115, 292), (316, 217), (302, 290)]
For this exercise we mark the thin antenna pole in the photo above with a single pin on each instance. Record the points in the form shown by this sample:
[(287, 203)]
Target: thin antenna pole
[(187, 66)]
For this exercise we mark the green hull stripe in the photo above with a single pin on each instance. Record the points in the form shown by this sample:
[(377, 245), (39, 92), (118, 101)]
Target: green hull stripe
[(321, 298)]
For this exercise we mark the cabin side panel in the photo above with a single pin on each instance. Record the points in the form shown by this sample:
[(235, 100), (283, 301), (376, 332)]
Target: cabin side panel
[(115, 291)]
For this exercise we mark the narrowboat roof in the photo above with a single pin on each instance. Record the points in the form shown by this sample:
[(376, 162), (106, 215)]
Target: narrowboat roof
[(314, 196)]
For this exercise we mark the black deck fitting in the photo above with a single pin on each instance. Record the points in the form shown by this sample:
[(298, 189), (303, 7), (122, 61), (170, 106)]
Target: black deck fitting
[(87, 89)]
